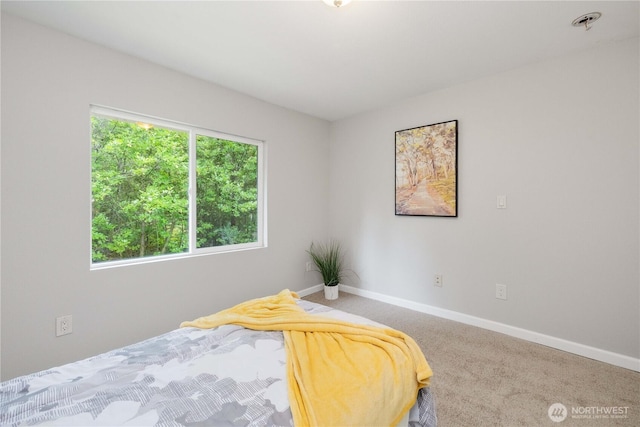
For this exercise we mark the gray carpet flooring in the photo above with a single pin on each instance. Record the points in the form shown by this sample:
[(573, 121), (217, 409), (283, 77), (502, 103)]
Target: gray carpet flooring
[(484, 378)]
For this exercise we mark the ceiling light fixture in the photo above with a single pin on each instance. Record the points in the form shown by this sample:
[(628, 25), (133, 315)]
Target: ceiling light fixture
[(586, 20), (336, 3)]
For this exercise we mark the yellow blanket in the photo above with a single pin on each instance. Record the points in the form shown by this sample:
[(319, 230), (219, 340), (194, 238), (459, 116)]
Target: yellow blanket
[(338, 373)]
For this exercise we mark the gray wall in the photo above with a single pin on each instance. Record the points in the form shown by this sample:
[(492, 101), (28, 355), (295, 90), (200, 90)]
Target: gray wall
[(48, 82), (560, 139)]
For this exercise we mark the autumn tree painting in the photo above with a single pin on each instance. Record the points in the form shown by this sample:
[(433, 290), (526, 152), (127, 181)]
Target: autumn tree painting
[(426, 170)]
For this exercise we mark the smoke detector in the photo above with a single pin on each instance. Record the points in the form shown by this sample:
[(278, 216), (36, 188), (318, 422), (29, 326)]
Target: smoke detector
[(586, 20)]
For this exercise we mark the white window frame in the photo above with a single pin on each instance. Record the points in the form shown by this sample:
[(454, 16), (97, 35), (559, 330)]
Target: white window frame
[(261, 241)]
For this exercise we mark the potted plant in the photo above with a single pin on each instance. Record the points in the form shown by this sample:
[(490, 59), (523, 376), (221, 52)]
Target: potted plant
[(328, 259)]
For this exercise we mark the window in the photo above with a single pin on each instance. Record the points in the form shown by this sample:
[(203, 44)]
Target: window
[(162, 189)]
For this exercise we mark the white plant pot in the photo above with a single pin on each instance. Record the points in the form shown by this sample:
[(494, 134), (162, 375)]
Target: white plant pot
[(331, 292)]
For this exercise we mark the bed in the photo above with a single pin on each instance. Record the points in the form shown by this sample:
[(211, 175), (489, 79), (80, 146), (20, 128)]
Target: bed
[(223, 376)]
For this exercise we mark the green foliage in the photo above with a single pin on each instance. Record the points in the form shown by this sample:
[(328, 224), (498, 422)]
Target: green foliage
[(140, 182), (329, 261), (227, 192)]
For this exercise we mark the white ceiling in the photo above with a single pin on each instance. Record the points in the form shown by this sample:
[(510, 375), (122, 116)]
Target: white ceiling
[(334, 63)]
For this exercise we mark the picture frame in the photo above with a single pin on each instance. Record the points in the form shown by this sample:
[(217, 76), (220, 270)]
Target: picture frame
[(426, 162)]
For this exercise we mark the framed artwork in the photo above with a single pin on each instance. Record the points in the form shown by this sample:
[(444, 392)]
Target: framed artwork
[(427, 170)]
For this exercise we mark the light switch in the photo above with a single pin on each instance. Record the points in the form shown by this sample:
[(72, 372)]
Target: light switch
[(502, 202)]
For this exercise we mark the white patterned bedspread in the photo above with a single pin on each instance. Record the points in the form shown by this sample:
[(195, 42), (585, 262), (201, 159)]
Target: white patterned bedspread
[(228, 376)]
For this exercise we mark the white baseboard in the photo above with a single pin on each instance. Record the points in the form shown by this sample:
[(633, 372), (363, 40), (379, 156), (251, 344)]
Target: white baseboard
[(313, 290), (606, 356)]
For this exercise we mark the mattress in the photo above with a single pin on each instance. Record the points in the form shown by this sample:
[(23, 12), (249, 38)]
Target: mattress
[(227, 376)]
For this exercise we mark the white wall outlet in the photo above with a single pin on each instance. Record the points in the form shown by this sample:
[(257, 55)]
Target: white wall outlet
[(64, 325), (437, 280), (501, 202), (308, 266), (501, 292)]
